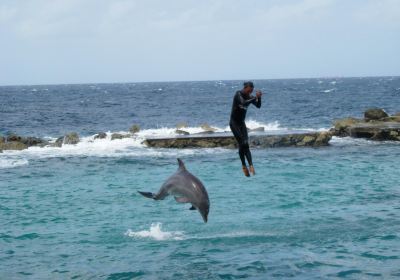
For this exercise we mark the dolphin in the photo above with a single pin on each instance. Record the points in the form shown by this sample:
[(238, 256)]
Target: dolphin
[(186, 188)]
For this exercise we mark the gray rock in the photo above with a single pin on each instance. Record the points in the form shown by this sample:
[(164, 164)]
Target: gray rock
[(16, 142), (34, 141), (68, 139), (389, 131), (12, 145), (375, 114), (100, 135), (71, 138), (115, 136), (227, 141), (134, 129), (341, 126), (386, 128), (393, 118), (14, 137), (59, 142), (181, 132)]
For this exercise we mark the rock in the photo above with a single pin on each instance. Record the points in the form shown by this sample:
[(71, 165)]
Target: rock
[(394, 134), (228, 141), (59, 142), (14, 137), (100, 135), (13, 145), (376, 126), (341, 126), (207, 128), (391, 119), (375, 114), (71, 138), (181, 125), (134, 129), (119, 136), (181, 132), (16, 142), (388, 131), (397, 114), (34, 141), (323, 138), (261, 128), (68, 139), (307, 140)]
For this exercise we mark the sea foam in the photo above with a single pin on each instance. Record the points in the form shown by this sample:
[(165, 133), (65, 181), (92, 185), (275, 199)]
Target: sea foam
[(12, 162), (155, 232)]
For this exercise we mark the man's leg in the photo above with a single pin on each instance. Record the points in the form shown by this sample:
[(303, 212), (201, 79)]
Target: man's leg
[(246, 149), (239, 138)]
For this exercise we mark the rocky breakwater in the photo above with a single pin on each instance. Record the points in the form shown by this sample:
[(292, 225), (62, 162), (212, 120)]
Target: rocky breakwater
[(16, 142), (226, 140), (376, 125)]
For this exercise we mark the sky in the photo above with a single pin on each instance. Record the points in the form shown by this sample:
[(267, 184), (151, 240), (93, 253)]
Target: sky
[(102, 41)]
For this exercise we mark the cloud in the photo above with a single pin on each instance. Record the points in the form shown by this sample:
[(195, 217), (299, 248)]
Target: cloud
[(6, 13), (383, 13), (189, 39)]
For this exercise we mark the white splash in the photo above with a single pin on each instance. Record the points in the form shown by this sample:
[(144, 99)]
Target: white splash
[(12, 162), (155, 232), (252, 124), (329, 90)]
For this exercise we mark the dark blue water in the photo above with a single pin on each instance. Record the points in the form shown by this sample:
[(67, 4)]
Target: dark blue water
[(88, 109), (74, 213)]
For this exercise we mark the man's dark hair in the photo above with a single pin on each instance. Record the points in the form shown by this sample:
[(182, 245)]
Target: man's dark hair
[(248, 84)]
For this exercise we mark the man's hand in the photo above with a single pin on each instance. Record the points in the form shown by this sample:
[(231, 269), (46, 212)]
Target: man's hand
[(258, 93)]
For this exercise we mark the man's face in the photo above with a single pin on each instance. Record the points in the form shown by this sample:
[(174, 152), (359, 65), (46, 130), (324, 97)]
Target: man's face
[(248, 90)]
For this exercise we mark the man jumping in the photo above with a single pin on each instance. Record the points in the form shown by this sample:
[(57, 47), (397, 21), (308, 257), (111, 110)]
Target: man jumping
[(241, 102)]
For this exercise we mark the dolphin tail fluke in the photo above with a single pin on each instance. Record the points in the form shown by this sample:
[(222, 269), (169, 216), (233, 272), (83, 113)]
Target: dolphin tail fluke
[(147, 194)]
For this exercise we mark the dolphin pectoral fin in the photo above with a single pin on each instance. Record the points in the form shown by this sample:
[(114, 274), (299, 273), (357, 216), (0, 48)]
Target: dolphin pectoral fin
[(147, 194), (182, 199), (192, 208)]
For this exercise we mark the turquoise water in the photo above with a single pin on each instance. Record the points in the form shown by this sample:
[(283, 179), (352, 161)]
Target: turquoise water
[(308, 213), (74, 212)]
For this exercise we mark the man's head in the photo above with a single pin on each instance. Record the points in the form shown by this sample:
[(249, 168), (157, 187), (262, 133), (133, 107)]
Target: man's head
[(248, 87)]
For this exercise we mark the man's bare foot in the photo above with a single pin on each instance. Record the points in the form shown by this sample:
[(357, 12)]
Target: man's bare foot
[(252, 171), (245, 171)]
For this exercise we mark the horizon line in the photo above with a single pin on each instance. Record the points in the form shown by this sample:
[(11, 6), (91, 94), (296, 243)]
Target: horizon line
[(188, 81)]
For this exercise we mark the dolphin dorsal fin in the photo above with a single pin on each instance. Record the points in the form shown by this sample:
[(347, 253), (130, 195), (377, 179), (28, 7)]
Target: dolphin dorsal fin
[(181, 164)]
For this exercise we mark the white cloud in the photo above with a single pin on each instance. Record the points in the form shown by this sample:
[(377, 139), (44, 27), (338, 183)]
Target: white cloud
[(382, 13), (191, 39), (6, 13)]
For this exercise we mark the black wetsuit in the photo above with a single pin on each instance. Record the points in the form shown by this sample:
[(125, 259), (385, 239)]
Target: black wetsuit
[(239, 108)]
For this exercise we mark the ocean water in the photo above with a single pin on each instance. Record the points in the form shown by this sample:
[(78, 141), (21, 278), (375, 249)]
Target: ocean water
[(309, 213)]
